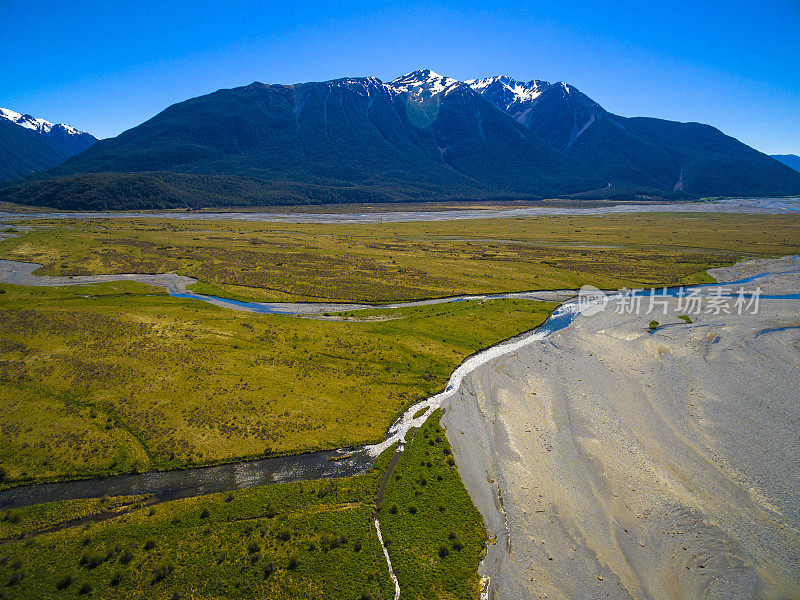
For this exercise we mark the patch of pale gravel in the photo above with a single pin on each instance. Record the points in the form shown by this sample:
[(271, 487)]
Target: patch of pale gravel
[(744, 206), (610, 462), (20, 273)]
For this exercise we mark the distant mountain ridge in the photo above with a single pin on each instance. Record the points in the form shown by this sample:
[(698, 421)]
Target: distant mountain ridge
[(638, 152), (29, 144), (790, 160), (420, 137)]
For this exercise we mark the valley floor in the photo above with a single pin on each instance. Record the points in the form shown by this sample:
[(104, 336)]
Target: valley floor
[(615, 462), (607, 460)]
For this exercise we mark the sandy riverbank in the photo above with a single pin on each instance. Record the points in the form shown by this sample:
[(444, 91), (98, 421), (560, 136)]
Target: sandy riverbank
[(612, 462)]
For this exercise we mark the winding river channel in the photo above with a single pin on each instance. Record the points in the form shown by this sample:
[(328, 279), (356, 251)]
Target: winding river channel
[(183, 483)]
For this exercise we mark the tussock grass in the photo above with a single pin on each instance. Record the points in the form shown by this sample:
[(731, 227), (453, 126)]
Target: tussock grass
[(18, 523), (401, 261), (116, 378), (436, 534), (331, 552)]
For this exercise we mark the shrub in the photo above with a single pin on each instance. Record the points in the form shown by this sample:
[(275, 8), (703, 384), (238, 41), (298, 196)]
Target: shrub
[(412, 509), (16, 577), (116, 578), (92, 559), (149, 545), (654, 325), (269, 568), (64, 582), (458, 546), (253, 547), (685, 318), (126, 556), (393, 508), (443, 551), (292, 563), (205, 514), (161, 572), (357, 546), (85, 589)]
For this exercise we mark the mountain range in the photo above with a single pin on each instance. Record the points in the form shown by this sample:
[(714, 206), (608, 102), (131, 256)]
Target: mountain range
[(28, 144), (419, 137), (790, 160)]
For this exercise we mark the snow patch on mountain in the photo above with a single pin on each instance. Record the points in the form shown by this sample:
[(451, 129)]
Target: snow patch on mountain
[(39, 125), (508, 91), (424, 84)]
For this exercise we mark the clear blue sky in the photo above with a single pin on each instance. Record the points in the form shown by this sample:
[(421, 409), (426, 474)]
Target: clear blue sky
[(107, 66)]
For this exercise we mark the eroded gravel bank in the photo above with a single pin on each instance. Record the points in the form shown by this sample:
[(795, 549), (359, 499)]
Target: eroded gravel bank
[(612, 462)]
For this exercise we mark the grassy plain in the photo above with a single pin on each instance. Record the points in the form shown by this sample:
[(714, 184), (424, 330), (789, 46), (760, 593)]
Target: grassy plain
[(41, 517), (119, 376), (288, 541), (297, 540), (401, 261), (435, 535)]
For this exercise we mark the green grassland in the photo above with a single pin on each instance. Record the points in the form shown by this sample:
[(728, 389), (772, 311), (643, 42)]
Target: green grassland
[(41, 517), (288, 541), (402, 261), (434, 534), (117, 377)]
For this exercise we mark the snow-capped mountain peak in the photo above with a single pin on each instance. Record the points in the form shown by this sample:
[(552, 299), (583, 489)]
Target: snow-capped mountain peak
[(39, 125), (506, 92), (26, 121), (424, 83)]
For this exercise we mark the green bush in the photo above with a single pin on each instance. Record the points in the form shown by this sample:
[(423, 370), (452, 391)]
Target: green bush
[(437, 547), (269, 568), (85, 589)]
